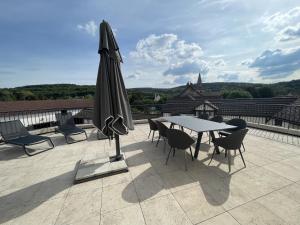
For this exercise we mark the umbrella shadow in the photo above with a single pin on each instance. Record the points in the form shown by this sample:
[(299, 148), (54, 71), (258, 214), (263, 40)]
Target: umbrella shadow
[(22, 201), (143, 145), (213, 181)]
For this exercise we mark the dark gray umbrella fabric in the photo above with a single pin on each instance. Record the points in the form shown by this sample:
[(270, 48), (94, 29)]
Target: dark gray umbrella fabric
[(112, 112)]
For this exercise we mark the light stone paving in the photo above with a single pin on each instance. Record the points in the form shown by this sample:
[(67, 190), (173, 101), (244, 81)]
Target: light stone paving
[(39, 190)]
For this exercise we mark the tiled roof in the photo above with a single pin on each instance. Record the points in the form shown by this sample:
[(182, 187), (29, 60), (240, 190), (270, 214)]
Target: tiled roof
[(39, 105), (265, 107)]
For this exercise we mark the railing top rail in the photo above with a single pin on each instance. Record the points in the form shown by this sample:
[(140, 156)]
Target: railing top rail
[(44, 110)]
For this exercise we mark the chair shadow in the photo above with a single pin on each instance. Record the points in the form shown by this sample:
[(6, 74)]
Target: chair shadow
[(12, 152), (20, 202), (214, 182)]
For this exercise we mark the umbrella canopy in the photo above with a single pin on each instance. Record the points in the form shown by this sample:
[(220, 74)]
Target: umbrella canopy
[(112, 114)]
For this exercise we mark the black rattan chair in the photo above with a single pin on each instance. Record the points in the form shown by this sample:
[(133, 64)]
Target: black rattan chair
[(239, 123), (13, 132), (163, 131), (67, 127), (153, 127), (178, 139), (231, 142), (203, 116), (217, 119)]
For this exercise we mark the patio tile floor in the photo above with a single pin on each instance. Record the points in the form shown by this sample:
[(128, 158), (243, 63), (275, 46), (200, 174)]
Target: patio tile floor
[(39, 189)]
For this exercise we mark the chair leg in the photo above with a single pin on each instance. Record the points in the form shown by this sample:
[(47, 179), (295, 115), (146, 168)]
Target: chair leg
[(165, 145), (185, 164), (153, 135), (212, 156), (243, 146), (149, 134), (191, 154), (242, 157), (157, 140), (168, 156), (173, 152), (229, 161), (25, 150), (225, 153), (86, 135)]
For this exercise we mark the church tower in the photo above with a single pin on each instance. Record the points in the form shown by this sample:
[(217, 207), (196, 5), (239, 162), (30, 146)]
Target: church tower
[(199, 81)]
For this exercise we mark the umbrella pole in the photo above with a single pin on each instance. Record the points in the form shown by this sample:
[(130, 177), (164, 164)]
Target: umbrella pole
[(118, 152), (118, 155)]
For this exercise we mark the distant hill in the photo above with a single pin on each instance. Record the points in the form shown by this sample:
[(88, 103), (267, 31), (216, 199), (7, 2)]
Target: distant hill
[(146, 95), (279, 89)]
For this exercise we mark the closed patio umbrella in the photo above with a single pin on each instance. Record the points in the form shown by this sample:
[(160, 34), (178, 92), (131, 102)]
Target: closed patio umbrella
[(112, 114)]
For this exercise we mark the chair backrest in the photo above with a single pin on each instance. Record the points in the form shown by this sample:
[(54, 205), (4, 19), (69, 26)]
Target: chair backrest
[(239, 123), (152, 124), (203, 116), (12, 129), (65, 119), (162, 129), (234, 140), (179, 139), (218, 119)]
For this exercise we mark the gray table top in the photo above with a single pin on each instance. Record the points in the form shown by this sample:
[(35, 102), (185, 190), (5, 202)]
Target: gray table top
[(196, 124)]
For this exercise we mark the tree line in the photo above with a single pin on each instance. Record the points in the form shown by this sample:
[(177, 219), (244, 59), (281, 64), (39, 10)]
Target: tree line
[(142, 96)]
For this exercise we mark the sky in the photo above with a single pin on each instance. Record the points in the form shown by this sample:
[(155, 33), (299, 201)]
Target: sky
[(163, 43)]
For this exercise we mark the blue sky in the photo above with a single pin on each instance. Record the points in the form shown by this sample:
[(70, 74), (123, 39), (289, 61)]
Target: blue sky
[(163, 43)]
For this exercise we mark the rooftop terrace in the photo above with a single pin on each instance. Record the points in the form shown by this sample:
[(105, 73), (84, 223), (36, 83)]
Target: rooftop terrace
[(40, 190)]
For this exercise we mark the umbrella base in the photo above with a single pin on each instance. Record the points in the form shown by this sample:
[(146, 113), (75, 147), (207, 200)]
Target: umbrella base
[(100, 167), (116, 158)]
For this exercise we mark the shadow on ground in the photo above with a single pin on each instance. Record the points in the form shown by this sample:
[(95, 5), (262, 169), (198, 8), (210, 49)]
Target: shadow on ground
[(214, 182), (22, 201)]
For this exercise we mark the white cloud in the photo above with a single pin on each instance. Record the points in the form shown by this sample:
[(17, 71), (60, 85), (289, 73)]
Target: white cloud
[(285, 25), (90, 27), (222, 4), (219, 62), (247, 62), (187, 68), (277, 63), (229, 77), (280, 20), (136, 75), (165, 49), (176, 57), (289, 33), (178, 80)]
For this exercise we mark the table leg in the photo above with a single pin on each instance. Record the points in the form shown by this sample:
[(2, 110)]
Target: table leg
[(211, 133), (198, 145)]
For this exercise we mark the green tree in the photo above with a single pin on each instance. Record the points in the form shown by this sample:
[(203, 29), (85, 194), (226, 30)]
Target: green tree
[(136, 98), (236, 94), (24, 95), (6, 95), (253, 91), (265, 92)]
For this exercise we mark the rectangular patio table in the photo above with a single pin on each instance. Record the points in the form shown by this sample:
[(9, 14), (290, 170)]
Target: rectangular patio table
[(199, 126)]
